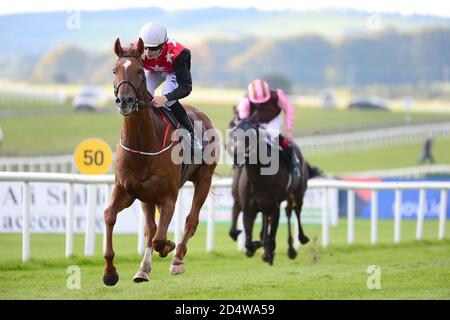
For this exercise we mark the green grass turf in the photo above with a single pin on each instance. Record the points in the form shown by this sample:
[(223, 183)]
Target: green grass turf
[(389, 157), (410, 270), (18, 103), (61, 133)]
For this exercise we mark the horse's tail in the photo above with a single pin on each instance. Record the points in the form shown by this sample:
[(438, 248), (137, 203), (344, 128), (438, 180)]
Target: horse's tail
[(313, 171)]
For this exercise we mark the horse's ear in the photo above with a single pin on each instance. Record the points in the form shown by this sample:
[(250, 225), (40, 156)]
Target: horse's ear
[(118, 48), (140, 46)]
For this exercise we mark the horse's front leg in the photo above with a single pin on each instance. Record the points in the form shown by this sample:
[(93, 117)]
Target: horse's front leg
[(120, 200), (150, 230), (236, 210), (249, 216), (270, 236), (159, 241)]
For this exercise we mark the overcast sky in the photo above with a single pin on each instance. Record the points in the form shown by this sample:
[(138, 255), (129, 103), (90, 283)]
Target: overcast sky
[(407, 7)]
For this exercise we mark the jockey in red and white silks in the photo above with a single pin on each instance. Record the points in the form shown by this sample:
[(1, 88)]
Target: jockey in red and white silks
[(167, 60)]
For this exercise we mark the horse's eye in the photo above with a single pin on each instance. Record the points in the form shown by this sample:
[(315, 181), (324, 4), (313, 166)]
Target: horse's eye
[(114, 71), (140, 71)]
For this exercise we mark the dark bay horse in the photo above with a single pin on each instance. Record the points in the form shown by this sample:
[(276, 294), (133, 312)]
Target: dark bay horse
[(254, 192), (145, 169)]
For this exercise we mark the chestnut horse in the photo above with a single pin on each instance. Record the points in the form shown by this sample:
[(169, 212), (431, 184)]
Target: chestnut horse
[(146, 171)]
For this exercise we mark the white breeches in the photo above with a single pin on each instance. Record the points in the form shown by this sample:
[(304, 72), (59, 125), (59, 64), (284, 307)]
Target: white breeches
[(154, 80), (273, 127)]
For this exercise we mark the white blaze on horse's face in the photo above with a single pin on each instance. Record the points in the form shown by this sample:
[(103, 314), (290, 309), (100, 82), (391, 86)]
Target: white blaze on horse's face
[(126, 64)]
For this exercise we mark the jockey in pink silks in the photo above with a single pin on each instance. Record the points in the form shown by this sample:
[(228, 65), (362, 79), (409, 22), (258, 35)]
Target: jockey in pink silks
[(269, 104)]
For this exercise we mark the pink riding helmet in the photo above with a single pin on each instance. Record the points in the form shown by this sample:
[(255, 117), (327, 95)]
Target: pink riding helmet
[(258, 91)]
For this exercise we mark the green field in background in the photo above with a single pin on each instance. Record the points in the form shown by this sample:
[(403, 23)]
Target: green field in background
[(410, 270), (389, 157), (55, 134), (60, 133)]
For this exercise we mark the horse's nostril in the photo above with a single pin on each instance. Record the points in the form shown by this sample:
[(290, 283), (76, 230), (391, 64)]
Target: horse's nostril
[(124, 100)]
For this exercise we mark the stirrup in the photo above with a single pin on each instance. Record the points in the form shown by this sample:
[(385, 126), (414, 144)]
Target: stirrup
[(197, 146)]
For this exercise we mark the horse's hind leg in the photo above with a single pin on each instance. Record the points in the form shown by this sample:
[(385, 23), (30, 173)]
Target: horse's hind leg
[(119, 201), (150, 230), (298, 209), (201, 189), (292, 254)]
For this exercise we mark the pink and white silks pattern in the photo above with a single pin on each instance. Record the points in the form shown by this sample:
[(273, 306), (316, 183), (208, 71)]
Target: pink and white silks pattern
[(283, 103), (258, 91)]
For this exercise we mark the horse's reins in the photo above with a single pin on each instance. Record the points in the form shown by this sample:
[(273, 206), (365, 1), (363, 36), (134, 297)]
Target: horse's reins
[(137, 102)]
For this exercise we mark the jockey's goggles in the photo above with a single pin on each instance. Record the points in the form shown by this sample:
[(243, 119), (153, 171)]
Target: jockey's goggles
[(154, 48)]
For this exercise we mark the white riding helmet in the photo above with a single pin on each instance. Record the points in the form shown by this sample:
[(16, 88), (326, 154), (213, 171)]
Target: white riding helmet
[(153, 34)]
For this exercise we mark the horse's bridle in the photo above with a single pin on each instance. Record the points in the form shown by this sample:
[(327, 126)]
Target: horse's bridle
[(139, 94), (137, 102)]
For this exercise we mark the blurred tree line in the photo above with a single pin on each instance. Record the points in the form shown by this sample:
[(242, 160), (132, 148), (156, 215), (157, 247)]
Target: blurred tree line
[(386, 58)]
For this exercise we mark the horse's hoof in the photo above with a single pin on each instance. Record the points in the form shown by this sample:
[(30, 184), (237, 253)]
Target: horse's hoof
[(170, 245), (111, 280), (141, 276), (176, 268), (253, 246), (292, 254), (249, 253), (257, 244), (234, 234), (268, 257), (303, 240)]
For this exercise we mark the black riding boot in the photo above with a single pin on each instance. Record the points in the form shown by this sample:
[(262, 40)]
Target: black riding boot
[(290, 156), (181, 115), (184, 119), (295, 164)]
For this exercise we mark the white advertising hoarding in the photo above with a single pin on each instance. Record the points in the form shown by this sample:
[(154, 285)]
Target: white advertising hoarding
[(48, 207)]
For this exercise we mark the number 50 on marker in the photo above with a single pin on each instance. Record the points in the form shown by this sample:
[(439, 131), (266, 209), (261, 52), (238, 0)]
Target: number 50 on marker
[(93, 156)]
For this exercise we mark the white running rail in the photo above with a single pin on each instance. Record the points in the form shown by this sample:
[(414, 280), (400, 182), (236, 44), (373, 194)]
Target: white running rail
[(26, 178), (410, 172), (369, 139), (340, 142), (63, 164)]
